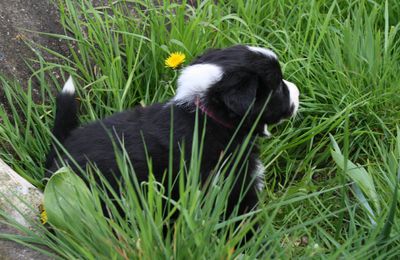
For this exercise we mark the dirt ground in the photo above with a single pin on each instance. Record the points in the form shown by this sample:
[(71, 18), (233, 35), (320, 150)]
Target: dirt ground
[(16, 17)]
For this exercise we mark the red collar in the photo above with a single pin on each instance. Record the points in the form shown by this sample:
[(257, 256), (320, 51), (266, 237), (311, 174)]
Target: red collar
[(210, 113)]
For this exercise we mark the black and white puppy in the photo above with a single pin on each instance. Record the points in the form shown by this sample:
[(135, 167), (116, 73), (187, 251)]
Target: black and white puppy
[(229, 87)]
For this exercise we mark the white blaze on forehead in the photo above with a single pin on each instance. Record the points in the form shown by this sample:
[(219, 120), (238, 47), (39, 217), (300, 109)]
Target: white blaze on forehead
[(294, 95), (265, 51), (69, 87), (195, 80)]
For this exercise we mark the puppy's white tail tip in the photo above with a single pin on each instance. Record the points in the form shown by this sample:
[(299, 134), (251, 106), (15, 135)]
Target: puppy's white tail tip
[(69, 87)]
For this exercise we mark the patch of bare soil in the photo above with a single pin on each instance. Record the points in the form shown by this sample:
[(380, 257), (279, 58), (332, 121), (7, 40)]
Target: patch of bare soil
[(16, 17)]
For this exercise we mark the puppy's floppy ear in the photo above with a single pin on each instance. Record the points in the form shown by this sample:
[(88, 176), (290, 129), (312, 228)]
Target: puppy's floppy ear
[(239, 90)]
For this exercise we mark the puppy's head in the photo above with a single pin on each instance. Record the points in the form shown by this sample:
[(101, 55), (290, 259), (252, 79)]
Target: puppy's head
[(239, 81)]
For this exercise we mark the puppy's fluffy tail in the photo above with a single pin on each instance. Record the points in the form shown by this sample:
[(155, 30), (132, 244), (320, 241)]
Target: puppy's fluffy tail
[(66, 111)]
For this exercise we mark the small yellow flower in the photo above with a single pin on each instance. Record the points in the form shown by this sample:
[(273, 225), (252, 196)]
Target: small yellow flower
[(20, 37), (175, 59), (43, 214)]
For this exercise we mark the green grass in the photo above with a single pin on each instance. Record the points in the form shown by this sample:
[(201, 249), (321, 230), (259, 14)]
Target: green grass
[(332, 172)]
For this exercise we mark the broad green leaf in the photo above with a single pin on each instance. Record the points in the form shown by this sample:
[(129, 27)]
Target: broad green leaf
[(356, 173), (67, 199), (387, 228)]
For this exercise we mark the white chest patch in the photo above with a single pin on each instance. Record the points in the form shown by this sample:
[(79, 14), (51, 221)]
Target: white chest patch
[(195, 80), (259, 176)]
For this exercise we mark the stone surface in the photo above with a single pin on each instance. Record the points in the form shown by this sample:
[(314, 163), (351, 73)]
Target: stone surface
[(18, 198), (13, 251), (17, 193)]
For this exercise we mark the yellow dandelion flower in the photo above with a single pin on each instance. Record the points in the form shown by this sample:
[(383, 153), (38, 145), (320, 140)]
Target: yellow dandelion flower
[(175, 59), (43, 214)]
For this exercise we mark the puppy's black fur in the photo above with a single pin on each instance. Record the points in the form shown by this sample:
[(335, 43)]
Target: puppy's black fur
[(244, 80)]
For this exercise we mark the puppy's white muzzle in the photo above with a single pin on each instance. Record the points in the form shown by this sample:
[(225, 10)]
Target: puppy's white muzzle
[(294, 95), (294, 101)]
